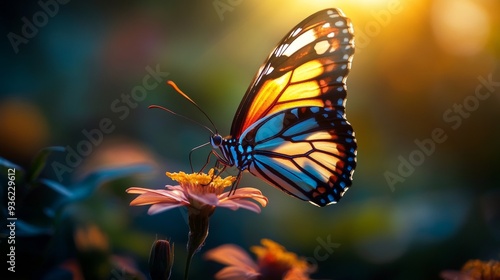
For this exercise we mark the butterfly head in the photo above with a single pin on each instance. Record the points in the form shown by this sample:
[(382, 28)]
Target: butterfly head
[(227, 147), (216, 140)]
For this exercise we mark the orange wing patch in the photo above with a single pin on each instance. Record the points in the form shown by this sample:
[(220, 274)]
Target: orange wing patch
[(307, 71), (301, 92), (262, 100)]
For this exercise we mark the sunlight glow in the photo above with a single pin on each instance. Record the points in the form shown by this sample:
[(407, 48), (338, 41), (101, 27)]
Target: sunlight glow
[(461, 27), (371, 3), (365, 4)]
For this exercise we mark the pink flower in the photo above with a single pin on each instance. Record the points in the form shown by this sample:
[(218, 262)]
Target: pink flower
[(273, 262), (201, 193), (198, 191)]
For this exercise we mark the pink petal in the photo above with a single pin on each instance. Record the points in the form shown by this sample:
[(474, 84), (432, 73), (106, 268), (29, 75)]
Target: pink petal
[(252, 193), (245, 191), (157, 208), (177, 190), (235, 204), (160, 192), (236, 273), (136, 190), (232, 255), (209, 198), (146, 199), (151, 196)]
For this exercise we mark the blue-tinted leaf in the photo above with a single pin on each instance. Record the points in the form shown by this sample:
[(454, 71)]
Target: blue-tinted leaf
[(62, 196), (25, 229), (40, 160), (91, 182), (10, 171), (58, 188), (5, 165), (87, 186)]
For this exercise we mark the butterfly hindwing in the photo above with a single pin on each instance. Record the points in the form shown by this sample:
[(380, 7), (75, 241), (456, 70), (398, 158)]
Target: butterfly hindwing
[(307, 68), (308, 152)]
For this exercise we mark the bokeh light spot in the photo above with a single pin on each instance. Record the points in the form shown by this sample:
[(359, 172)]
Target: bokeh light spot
[(461, 27), (24, 129)]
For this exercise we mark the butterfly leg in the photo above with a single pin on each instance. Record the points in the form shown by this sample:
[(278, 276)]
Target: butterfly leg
[(235, 184), (206, 163), (218, 169)]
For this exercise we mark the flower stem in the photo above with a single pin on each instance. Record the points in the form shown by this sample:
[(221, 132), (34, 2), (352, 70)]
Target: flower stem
[(198, 232)]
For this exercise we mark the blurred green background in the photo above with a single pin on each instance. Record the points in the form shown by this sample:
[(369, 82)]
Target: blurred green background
[(422, 69)]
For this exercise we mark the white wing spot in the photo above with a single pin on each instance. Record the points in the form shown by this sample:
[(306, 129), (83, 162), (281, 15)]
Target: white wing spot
[(296, 31), (332, 14), (339, 79), (339, 23), (281, 49), (330, 35), (300, 42), (321, 47), (326, 25), (270, 70)]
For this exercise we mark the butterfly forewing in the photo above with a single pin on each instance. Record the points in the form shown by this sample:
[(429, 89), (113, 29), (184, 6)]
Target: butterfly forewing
[(307, 68)]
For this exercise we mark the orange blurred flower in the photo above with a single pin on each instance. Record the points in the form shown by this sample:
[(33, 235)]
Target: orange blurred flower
[(475, 270), (273, 262)]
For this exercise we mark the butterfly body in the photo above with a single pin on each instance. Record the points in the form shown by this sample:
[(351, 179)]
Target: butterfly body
[(290, 129)]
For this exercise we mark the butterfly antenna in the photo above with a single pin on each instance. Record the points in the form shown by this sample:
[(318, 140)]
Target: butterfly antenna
[(172, 84), (179, 115)]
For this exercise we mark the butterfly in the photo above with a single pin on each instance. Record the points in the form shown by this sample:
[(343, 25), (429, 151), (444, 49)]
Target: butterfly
[(290, 129)]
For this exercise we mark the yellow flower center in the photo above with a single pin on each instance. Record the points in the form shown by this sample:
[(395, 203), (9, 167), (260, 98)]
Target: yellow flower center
[(202, 182)]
